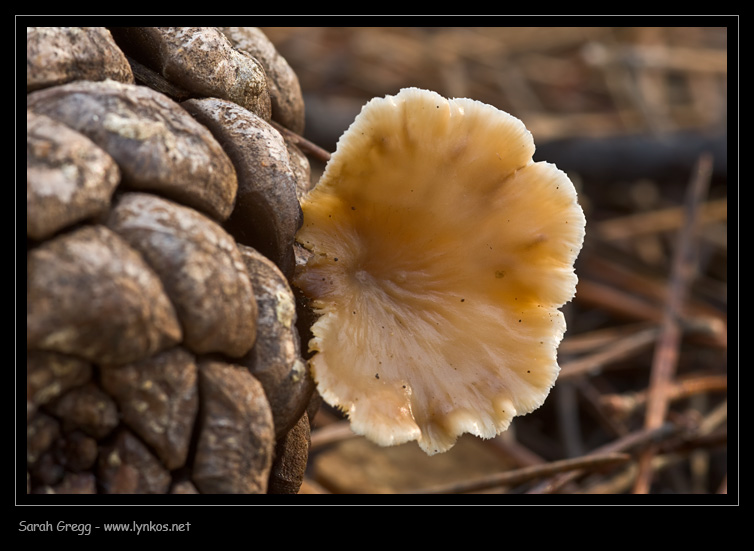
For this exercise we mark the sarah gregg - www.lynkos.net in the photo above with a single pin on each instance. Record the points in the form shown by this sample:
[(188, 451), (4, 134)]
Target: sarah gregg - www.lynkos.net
[(84, 529)]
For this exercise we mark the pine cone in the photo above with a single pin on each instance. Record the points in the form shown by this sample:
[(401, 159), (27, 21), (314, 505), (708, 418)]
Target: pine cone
[(162, 203)]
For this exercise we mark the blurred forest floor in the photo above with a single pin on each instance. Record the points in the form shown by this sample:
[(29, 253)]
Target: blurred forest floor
[(638, 119)]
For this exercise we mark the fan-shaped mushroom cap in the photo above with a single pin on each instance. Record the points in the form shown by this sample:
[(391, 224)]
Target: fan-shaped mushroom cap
[(441, 254)]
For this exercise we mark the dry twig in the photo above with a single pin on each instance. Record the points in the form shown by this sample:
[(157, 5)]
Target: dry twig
[(525, 474), (626, 443), (667, 351)]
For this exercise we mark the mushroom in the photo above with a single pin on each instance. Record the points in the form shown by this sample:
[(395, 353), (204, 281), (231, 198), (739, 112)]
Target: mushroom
[(440, 254)]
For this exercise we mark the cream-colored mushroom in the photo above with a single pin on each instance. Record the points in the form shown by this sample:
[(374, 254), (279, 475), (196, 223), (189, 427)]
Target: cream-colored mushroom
[(441, 254)]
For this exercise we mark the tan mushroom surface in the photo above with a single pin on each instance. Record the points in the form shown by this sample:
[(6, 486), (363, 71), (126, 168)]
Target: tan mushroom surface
[(441, 254)]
